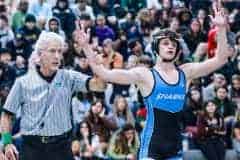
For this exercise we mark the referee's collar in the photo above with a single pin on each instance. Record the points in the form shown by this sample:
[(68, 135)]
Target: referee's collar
[(46, 78)]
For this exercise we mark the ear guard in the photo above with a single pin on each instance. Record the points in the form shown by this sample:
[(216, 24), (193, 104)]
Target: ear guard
[(162, 35)]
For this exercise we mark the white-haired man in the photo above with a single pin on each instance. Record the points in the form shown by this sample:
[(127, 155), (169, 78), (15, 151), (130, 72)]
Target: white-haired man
[(163, 88), (44, 97)]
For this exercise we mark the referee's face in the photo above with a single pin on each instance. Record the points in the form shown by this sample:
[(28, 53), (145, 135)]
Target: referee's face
[(51, 56)]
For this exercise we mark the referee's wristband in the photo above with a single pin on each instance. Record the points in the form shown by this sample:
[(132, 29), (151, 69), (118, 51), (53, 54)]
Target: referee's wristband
[(6, 138)]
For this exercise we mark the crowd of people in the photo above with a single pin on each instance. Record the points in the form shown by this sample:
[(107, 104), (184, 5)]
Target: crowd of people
[(107, 122)]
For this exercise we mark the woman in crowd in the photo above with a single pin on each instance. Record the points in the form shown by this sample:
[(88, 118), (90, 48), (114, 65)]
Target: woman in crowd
[(121, 112), (124, 144), (212, 127)]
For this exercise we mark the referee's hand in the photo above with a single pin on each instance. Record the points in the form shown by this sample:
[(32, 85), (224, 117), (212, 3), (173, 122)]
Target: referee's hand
[(11, 152)]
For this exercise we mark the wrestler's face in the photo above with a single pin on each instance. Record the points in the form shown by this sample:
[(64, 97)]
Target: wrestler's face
[(167, 49), (51, 56)]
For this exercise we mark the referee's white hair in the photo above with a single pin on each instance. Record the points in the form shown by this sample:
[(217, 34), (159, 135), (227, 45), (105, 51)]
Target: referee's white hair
[(43, 41)]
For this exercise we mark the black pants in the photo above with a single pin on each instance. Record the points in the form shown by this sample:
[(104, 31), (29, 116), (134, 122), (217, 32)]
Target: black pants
[(213, 149), (34, 149)]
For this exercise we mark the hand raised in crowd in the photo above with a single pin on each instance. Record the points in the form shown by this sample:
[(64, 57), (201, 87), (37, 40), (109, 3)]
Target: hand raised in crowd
[(82, 37), (11, 152)]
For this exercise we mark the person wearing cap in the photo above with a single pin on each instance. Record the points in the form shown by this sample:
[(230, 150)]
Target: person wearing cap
[(163, 87), (30, 32), (19, 47)]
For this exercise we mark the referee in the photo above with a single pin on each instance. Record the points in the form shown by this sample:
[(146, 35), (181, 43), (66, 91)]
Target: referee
[(43, 96)]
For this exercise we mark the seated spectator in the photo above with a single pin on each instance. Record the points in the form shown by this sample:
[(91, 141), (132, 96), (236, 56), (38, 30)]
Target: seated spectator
[(194, 35), (8, 74), (82, 7), (76, 146), (100, 124), (20, 66), (234, 89), (190, 114), (227, 108), (18, 17), (121, 112), (90, 144), (40, 9), (218, 80), (212, 127), (236, 138), (80, 105), (20, 47), (30, 32), (67, 18), (102, 30), (6, 33), (124, 143), (103, 7), (53, 25)]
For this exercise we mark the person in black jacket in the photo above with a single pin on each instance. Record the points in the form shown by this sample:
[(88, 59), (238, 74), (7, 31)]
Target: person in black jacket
[(65, 15)]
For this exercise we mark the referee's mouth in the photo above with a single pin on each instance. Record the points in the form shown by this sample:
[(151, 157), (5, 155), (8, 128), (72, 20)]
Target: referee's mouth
[(56, 64)]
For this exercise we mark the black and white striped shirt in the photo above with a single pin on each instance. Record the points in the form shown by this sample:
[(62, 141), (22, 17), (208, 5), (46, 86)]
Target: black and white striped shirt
[(45, 107)]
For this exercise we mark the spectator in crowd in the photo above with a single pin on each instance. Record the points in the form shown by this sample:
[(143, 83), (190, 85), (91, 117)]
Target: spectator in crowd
[(194, 35), (227, 109), (236, 138), (6, 33), (194, 106), (211, 141), (66, 16), (53, 25), (82, 65), (18, 17), (234, 89), (19, 47), (209, 91), (100, 124), (124, 143), (81, 7), (8, 75), (225, 106), (121, 112), (40, 9), (20, 66), (102, 30), (90, 143), (76, 146), (204, 21), (30, 32), (103, 7), (81, 103)]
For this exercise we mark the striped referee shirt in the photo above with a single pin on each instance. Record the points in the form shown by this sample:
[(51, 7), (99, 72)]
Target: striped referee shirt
[(45, 107)]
